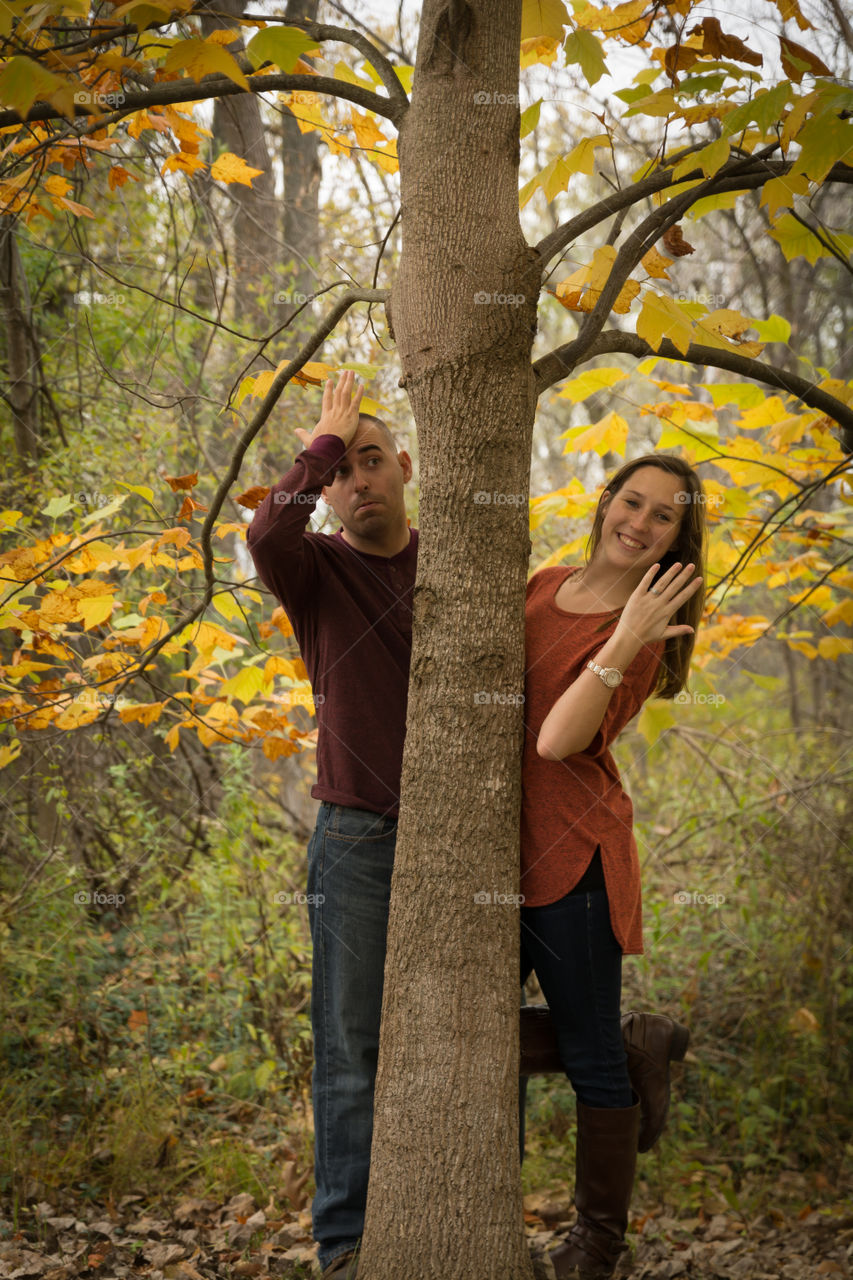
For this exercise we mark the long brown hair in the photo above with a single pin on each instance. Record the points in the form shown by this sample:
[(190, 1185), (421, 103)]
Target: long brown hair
[(689, 547)]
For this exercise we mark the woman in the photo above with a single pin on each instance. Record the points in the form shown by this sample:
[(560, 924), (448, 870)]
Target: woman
[(600, 639)]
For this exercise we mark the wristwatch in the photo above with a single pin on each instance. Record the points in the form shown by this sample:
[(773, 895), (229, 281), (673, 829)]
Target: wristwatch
[(611, 676)]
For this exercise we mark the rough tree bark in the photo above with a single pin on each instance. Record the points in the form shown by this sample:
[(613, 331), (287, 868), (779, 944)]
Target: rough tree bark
[(445, 1146), (22, 359)]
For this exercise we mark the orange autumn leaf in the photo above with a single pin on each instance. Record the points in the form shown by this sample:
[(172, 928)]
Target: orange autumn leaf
[(674, 242), (177, 483), (252, 498), (793, 53), (188, 506), (138, 1019)]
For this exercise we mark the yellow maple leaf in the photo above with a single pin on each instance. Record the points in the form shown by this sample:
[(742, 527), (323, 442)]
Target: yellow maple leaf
[(661, 318), (605, 436), (231, 168), (582, 289)]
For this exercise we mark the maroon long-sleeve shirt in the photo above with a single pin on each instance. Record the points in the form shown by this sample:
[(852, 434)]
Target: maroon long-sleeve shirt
[(352, 616)]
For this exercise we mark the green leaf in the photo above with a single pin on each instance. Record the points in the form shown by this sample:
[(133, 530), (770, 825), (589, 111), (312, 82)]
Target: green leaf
[(797, 241), (746, 395), (282, 45), (654, 719), (774, 329), (709, 204), (585, 48), (698, 438), (765, 109), (530, 118), (22, 82), (200, 58), (141, 489), (110, 509), (824, 141), (709, 159), (58, 506)]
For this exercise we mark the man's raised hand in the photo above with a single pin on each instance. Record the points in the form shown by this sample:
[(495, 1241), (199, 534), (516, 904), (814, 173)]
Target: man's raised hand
[(339, 413)]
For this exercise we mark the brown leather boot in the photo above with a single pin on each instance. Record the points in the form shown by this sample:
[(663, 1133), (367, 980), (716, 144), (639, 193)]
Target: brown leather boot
[(651, 1041), (604, 1178)]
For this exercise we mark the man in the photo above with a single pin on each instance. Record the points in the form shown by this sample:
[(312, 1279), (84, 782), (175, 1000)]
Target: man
[(349, 599)]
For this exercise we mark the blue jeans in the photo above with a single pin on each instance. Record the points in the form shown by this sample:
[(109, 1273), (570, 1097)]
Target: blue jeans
[(578, 962), (350, 860)]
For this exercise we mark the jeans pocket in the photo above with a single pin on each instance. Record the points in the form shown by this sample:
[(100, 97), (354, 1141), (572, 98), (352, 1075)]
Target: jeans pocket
[(359, 824)]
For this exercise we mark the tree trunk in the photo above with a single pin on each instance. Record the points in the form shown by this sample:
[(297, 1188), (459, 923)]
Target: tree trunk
[(22, 359), (445, 1195)]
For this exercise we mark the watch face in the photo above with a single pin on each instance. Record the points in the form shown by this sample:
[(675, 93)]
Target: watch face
[(612, 677)]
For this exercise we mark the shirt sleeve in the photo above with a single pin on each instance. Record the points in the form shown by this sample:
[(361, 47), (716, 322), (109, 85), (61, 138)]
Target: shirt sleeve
[(277, 537)]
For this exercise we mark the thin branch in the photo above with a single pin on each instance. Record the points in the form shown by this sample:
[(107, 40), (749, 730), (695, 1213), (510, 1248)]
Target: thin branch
[(559, 363), (279, 383), (567, 232)]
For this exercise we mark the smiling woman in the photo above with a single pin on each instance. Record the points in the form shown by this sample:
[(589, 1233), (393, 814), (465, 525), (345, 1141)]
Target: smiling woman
[(599, 641)]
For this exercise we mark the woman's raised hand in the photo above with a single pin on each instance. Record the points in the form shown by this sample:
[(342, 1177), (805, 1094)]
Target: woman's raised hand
[(648, 611)]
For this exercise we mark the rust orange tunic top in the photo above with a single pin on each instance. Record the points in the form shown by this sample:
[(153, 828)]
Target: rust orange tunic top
[(569, 806)]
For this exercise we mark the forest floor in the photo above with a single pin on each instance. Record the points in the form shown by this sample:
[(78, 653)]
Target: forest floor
[(199, 1239)]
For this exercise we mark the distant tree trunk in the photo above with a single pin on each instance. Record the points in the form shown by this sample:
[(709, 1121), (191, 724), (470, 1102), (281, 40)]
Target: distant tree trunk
[(22, 358), (445, 1197), (256, 248), (300, 154)]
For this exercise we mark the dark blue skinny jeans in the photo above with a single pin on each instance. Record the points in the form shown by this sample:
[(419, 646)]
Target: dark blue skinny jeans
[(571, 946)]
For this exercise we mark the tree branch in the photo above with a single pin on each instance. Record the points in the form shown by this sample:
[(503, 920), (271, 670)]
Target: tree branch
[(559, 363), (170, 92), (563, 235), (267, 404)]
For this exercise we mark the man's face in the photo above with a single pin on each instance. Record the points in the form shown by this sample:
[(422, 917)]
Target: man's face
[(367, 492)]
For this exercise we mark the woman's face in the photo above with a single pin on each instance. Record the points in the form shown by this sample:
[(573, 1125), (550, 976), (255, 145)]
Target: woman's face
[(642, 519)]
